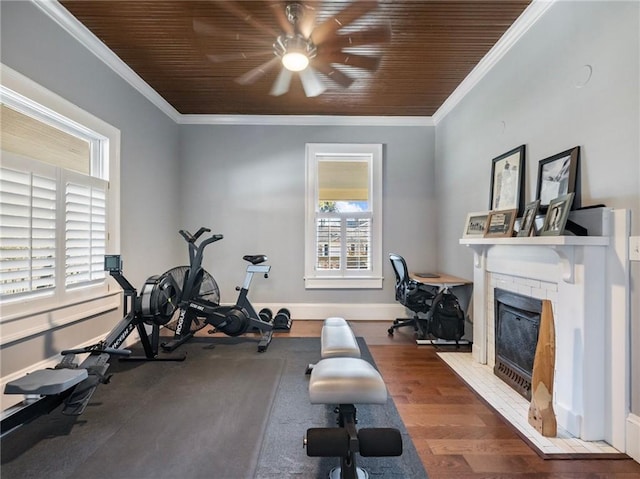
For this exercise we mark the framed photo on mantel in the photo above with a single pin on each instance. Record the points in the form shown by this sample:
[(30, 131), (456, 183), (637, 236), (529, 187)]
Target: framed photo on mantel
[(475, 225), (500, 223), (527, 227), (557, 214), (558, 176), (507, 180)]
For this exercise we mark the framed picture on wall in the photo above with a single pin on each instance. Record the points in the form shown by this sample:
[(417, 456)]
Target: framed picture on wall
[(507, 180), (558, 176), (475, 225), (529, 219), (500, 223), (557, 213)]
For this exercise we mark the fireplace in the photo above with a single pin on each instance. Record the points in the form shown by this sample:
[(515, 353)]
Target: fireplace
[(517, 321), (586, 278)]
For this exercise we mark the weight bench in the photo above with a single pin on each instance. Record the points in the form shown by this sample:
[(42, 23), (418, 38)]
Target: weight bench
[(337, 341), (345, 382)]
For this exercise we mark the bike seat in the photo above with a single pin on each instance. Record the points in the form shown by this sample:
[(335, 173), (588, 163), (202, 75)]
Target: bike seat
[(255, 258)]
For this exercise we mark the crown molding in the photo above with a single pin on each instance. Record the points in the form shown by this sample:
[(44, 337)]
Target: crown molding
[(523, 23), (77, 30), (306, 120)]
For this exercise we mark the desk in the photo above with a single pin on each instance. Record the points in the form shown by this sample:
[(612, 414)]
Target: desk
[(462, 288), (443, 280)]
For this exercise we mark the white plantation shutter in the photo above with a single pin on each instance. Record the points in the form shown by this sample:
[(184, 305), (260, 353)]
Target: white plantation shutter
[(53, 229), (358, 243), (329, 243), (27, 232), (343, 240), (85, 232)]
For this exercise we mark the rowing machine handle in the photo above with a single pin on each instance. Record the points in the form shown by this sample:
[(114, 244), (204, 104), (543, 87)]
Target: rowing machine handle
[(96, 349)]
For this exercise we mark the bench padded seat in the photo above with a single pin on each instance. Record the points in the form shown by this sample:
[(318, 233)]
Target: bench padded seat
[(46, 381), (337, 340), (346, 381)]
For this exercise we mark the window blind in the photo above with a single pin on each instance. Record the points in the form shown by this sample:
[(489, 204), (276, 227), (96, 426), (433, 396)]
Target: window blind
[(85, 233), (358, 241), (27, 232)]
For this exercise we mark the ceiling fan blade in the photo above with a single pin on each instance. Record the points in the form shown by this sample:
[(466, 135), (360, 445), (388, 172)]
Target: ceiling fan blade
[(205, 29), (258, 72), (238, 11), (347, 16), (369, 63), (308, 21), (334, 74), (279, 9), (228, 57), (281, 85), (371, 36), (311, 82)]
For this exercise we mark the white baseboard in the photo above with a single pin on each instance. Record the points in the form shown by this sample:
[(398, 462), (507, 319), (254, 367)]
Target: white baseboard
[(633, 437), (371, 312)]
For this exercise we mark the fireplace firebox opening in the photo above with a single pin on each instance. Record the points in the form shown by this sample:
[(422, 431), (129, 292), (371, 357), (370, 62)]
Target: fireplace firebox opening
[(517, 322)]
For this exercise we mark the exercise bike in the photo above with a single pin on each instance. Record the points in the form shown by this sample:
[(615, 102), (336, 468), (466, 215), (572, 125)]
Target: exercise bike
[(73, 384), (199, 299)]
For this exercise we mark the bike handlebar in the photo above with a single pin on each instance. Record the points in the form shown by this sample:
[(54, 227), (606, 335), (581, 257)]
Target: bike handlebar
[(191, 238)]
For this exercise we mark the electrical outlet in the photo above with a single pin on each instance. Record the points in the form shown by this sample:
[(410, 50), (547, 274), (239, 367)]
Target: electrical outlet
[(634, 248)]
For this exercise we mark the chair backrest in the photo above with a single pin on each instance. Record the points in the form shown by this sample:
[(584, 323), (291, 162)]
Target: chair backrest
[(401, 272)]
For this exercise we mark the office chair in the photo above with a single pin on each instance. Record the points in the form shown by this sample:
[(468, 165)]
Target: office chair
[(413, 295)]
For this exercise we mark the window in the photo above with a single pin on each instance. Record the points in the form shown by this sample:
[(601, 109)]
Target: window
[(344, 216), (58, 210)]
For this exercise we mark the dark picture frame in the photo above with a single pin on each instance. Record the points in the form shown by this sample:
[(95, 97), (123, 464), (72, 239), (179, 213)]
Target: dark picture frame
[(500, 223), (557, 213), (475, 225), (507, 180), (529, 219), (558, 176)]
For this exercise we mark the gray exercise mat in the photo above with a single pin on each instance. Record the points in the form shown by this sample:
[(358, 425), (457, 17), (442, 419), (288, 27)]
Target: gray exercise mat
[(227, 412)]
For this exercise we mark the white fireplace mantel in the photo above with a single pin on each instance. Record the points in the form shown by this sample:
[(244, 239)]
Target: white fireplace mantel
[(563, 246), (587, 280)]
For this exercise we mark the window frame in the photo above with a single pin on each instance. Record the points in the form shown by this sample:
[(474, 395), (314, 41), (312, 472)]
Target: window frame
[(24, 95), (339, 279)]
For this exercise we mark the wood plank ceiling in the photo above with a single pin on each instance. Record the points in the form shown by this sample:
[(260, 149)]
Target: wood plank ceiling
[(431, 47)]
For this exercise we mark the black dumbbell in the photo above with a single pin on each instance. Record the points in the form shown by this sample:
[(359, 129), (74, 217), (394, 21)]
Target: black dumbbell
[(282, 321), (265, 315)]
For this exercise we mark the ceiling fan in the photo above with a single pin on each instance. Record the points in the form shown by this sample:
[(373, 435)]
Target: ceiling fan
[(300, 46)]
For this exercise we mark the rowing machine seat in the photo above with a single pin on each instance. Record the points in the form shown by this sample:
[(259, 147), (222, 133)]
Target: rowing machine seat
[(46, 382)]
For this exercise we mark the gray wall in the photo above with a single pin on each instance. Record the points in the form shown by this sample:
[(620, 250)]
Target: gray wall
[(530, 97), (36, 47), (248, 183)]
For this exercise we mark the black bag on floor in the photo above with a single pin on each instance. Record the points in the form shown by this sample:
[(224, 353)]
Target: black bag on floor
[(446, 318)]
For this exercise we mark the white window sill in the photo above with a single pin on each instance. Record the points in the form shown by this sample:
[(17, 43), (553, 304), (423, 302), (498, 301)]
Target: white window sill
[(343, 283)]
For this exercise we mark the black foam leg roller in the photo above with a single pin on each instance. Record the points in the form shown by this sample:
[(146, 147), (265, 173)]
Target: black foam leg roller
[(380, 442), (327, 442)]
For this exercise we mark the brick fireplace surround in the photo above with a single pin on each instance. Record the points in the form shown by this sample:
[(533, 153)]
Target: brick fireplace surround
[(587, 280)]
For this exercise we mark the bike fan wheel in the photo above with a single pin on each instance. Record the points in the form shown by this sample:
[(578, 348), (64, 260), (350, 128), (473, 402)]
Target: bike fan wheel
[(208, 291)]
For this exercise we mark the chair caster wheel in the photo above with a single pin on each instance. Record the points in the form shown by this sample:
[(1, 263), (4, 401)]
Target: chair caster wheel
[(390, 331)]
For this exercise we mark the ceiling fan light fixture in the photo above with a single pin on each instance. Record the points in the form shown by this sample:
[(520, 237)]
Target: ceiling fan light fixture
[(295, 61), (295, 52)]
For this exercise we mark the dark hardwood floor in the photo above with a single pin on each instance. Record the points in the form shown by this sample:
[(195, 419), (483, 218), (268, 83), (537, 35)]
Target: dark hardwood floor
[(455, 433)]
